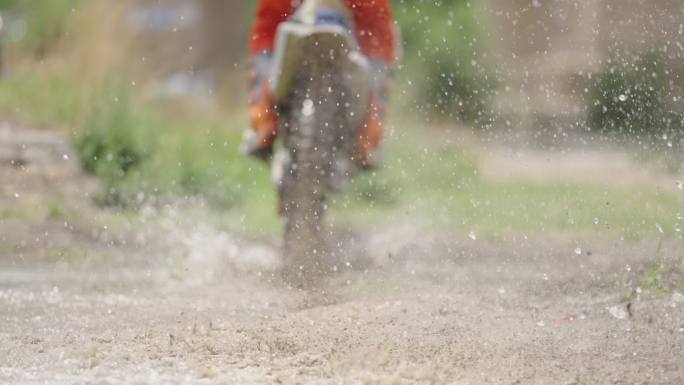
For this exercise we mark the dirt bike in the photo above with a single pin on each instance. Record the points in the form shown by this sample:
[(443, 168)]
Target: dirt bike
[(320, 83)]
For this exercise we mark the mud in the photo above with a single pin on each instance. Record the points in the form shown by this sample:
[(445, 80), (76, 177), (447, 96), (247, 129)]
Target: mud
[(169, 299)]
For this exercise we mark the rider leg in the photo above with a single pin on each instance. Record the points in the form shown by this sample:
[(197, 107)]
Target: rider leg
[(371, 131), (263, 114), (263, 117), (377, 37), (258, 141)]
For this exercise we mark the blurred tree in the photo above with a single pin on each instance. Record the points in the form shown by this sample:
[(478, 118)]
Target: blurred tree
[(630, 96), (444, 56)]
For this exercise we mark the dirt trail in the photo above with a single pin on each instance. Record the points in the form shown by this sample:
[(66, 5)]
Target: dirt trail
[(165, 300), (604, 167)]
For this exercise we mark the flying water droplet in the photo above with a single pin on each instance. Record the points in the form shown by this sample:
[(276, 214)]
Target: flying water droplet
[(308, 107)]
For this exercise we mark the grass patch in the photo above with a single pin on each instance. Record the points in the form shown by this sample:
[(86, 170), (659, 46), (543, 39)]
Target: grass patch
[(41, 100), (439, 185), (18, 212), (662, 279)]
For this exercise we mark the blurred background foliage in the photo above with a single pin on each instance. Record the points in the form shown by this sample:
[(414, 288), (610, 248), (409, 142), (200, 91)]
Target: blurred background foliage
[(66, 58), (631, 97), (450, 70), (153, 96), (445, 59)]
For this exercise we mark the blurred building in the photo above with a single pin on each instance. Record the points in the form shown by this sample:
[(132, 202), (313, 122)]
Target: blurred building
[(186, 47), (549, 50), (192, 33)]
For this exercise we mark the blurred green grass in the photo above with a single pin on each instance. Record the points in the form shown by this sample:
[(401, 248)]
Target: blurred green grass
[(438, 185), (42, 100), (169, 156)]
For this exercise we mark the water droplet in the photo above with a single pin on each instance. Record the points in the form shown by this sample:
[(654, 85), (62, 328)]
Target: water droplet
[(308, 107), (472, 235)]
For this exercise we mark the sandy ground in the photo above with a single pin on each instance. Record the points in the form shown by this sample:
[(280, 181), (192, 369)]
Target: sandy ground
[(603, 167), (169, 299)]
